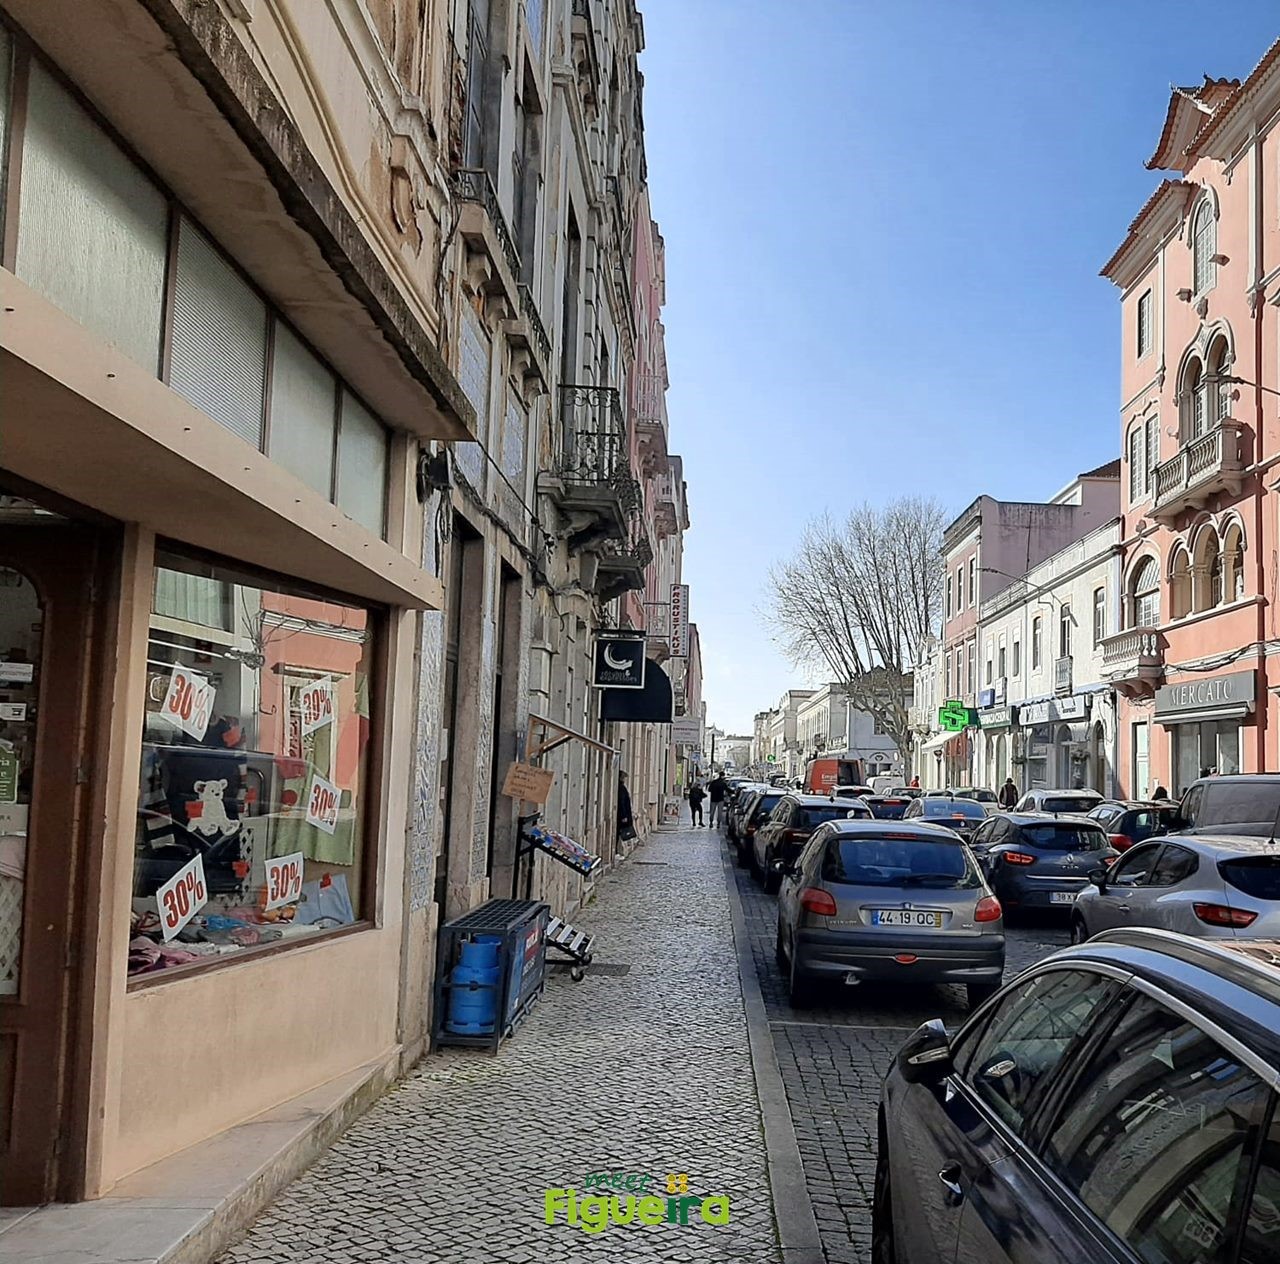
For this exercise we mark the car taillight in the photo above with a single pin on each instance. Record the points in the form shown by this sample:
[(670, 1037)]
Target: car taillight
[(1221, 915), (1121, 842), (988, 910), (1017, 858), (815, 900), (794, 836)]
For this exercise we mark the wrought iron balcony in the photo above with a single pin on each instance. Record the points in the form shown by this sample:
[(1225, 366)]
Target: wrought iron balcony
[(538, 335), (1202, 468), (591, 479), (623, 562), (474, 188), (1133, 660)]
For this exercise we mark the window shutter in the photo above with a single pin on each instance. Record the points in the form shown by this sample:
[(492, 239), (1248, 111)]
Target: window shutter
[(218, 352), (362, 465), (303, 412)]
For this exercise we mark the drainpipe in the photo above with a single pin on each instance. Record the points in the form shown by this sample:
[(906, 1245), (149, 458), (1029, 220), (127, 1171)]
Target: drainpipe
[(1259, 271)]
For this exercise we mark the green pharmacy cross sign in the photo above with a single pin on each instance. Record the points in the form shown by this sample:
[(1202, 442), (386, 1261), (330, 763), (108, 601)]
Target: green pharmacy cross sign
[(954, 716)]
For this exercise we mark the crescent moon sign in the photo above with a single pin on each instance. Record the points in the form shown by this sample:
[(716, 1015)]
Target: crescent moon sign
[(610, 661)]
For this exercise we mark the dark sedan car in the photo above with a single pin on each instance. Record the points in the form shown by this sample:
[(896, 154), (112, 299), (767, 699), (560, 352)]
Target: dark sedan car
[(788, 828), (962, 815), (1116, 1104), (754, 813), (1035, 860), (888, 807), (1130, 821)]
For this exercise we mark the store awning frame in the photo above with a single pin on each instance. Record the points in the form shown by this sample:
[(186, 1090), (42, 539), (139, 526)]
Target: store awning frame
[(539, 741), (1240, 712), (937, 742)]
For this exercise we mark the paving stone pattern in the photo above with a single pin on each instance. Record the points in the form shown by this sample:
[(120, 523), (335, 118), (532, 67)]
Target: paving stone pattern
[(832, 1058), (647, 1071)]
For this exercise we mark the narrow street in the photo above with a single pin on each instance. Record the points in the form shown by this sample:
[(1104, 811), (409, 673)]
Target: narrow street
[(644, 1067)]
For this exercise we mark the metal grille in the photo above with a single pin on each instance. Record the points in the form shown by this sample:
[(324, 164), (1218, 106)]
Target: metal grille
[(595, 437), (496, 915), (11, 890), (472, 184)]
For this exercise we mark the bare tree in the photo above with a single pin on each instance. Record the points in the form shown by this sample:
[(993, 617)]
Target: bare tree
[(858, 599)]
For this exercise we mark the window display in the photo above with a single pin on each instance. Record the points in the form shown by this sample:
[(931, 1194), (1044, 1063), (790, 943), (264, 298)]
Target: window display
[(253, 788)]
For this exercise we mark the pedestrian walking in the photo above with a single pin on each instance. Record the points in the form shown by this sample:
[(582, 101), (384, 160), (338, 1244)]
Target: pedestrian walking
[(1008, 795), (626, 825), (1160, 793), (915, 783), (696, 795), (717, 788)]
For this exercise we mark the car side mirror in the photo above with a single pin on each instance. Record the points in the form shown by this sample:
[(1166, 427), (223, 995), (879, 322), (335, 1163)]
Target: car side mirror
[(1099, 878), (925, 1058)]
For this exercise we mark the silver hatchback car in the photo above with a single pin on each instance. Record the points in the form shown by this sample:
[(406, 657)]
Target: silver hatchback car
[(892, 901), (1213, 887)]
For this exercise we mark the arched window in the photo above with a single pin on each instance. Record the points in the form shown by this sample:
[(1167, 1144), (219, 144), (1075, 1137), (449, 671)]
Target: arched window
[(1180, 585), (1233, 563), (1206, 572), (1195, 403), (1203, 247), (1217, 392), (1144, 595)]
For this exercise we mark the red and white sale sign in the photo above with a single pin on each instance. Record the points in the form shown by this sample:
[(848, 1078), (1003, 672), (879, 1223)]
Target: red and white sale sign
[(315, 703), (284, 881), (188, 702), (322, 804), (182, 897)]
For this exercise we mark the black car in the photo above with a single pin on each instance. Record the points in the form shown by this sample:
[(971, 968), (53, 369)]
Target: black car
[(751, 817), (887, 807), (1115, 1104), (962, 815), (1130, 821)]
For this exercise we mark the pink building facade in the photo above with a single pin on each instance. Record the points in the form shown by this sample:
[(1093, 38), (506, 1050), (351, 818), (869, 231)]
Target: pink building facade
[(1195, 657)]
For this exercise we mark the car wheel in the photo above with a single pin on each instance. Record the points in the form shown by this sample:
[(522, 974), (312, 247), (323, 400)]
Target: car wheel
[(882, 1246), (772, 881), (1079, 931), (980, 993), (800, 987)]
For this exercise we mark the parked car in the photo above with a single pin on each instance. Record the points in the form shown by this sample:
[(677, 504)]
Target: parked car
[(737, 802), (1115, 1104), (788, 828), (1081, 801), (1243, 803), (869, 900), (887, 807), (1130, 821), (979, 793), (961, 815), (758, 809), (1035, 860), (1211, 887), (851, 792)]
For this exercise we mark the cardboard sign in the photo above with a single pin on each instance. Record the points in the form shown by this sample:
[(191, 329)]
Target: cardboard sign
[(182, 897), (284, 881), (188, 702), (527, 783), (315, 702), (322, 804)]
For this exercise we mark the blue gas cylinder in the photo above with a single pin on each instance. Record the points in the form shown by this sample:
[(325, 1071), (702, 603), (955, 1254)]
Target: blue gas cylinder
[(473, 994)]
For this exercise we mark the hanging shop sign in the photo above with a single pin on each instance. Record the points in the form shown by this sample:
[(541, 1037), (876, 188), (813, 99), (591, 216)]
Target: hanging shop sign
[(619, 663), (986, 698), (650, 704), (527, 783), (955, 717), (1233, 693), (182, 897), (686, 730), (284, 881), (679, 620), (997, 717), (1076, 707)]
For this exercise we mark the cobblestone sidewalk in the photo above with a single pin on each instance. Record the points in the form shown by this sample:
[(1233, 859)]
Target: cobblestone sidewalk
[(643, 1071)]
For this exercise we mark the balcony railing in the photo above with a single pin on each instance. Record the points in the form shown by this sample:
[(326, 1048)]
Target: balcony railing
[(537, 330), (1062, 674), (472, 184), (1133, 660), (1203, 467), (595, 437)]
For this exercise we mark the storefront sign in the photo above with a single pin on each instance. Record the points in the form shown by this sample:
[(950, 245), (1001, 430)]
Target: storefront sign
[(527, 783), (685, 730), (1075, 707), (619, 663), (182, 897), (1229, 692), (996, 718), (284, 881), (315, 703), (9, 768), (17, 673), (679, 620), (322, 804), (13, 712), (670, 811), (188, 702), (955, 717)]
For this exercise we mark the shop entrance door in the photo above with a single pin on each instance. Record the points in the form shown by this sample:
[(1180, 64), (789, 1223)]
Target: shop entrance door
[(47, 568)]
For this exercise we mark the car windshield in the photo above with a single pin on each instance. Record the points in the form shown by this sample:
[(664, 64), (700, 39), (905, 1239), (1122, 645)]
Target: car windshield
[(954, 807), (1070, 803), (889, 861), (811, 818), (1258, 876), (1052, 836)]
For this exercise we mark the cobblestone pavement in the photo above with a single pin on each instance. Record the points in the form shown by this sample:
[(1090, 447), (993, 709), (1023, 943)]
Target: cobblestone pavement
[(647, 1071), (833, 1057)]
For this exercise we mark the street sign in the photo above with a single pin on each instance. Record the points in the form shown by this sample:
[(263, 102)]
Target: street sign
[(619, 662), (954, 716), (679, 620)]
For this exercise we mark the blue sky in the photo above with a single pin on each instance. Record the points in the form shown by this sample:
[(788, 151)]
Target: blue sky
[(884, 223)]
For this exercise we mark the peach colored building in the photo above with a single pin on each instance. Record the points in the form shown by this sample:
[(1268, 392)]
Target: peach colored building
[(1195, 659)]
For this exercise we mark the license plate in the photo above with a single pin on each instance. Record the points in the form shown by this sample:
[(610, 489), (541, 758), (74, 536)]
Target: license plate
[(1062, 897), (906, 917)]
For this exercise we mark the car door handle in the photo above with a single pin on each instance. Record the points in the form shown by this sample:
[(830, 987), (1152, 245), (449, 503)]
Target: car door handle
[(950, 1178)]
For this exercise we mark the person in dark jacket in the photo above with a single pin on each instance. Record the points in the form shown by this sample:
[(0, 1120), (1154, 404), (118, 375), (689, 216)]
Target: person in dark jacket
[(717, 788), (696, 795), (626, 825), (1160, 793), (1008, 795)]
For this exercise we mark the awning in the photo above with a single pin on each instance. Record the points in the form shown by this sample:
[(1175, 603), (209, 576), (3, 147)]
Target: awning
[(1213, 713), (650, 705), (545, 735), (937, 741)]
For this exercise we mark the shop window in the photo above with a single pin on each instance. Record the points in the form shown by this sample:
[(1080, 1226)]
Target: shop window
[(1200, 750), (82, 199), (254, 768), (362, 465), (219, 342), (304, 402)]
